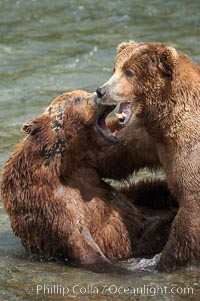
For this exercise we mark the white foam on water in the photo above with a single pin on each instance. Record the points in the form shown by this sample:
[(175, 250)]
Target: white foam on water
[(142, 264)]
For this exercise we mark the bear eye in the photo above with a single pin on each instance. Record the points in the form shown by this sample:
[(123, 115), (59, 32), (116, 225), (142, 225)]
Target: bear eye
[(129, 73), (77, 101)]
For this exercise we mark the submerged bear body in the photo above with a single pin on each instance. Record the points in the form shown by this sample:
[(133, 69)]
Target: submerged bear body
[(57, 201)]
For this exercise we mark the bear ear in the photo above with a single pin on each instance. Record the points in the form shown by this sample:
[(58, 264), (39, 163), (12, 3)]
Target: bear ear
[(169, 61), (32, 126), (123, 45)]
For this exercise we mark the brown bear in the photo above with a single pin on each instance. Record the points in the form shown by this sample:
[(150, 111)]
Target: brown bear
[(158, 89), (58, 203)]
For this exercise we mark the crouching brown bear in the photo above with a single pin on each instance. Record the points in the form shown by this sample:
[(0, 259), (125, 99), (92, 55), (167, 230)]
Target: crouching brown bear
[(158, 89), (58, 203)]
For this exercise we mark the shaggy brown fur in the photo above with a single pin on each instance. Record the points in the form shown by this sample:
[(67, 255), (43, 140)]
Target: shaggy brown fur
[(58, 204), (164, 86)]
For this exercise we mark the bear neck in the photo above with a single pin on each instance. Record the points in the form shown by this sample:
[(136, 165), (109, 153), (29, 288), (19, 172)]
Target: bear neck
[(174, 108), (29, 171), (28, 167)]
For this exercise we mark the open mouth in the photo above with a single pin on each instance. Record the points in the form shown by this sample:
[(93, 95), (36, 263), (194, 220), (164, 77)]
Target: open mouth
[(103, 111), (123, 115)]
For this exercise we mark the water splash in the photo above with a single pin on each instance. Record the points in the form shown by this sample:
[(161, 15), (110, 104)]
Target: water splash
[(142, 264)]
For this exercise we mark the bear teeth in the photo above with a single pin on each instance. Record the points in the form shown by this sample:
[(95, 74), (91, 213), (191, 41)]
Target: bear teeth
[(121, 116)]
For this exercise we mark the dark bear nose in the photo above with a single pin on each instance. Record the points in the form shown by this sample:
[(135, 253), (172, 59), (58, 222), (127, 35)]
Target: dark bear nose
[(101, 92)]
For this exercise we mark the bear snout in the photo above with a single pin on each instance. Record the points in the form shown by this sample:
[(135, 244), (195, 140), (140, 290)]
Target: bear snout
[(101, 92)]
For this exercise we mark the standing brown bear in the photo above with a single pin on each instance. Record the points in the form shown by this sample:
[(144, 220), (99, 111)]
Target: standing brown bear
[(158, 89), (58, 203)]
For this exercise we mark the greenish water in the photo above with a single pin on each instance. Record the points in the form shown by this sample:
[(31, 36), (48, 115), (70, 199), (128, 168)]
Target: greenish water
[(48, 47)]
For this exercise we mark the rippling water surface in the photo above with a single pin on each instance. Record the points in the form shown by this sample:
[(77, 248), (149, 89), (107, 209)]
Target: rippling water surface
[(48, 47)]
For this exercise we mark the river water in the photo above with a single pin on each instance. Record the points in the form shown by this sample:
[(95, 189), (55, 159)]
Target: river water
[(48, 47)]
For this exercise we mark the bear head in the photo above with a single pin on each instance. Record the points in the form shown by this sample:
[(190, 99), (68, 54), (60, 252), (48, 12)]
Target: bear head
[(50, 133), (142, 81)]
